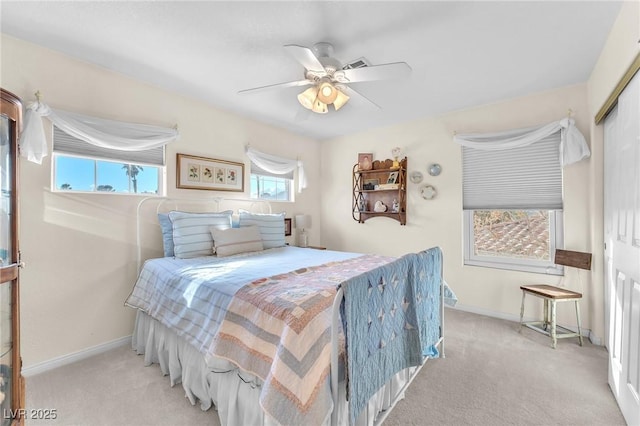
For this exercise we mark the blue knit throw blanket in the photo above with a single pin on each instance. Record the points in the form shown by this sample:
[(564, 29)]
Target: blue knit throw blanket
[(391, 318)]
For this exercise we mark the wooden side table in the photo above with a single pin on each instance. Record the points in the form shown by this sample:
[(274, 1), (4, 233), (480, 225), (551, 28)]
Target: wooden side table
[(551, 295)]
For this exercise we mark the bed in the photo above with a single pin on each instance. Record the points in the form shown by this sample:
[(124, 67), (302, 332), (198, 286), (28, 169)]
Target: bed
[(273, 334)]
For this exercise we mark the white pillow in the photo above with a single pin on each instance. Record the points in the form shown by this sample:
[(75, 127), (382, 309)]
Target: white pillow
[(191, 236), (271, 227), (236, 240)]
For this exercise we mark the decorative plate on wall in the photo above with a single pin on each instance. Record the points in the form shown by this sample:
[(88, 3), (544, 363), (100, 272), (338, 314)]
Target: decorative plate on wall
[(435, 169), (416, 177), (428, 192)]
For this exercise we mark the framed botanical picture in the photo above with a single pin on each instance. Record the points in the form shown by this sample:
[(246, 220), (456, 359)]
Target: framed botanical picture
[(365, 161), (208, 173), (393, 177), (287, 226)]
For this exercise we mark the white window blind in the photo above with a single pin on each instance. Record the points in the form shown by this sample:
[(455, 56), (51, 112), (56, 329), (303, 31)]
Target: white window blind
[(528, 177), (66, 144), (257, 170)]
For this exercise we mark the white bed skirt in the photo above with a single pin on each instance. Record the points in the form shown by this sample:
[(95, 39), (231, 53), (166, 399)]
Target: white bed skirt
[(231, 391)]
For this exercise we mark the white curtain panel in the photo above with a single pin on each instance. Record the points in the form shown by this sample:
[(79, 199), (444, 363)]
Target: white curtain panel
[(278, 165), (573, 146), (109, 134), (32, 143)]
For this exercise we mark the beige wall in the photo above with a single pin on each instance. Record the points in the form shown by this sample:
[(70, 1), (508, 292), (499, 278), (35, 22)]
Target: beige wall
[(80, 249), (439, 222), (621, 48)]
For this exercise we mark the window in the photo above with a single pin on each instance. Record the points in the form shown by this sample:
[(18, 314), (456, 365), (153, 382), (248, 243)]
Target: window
[(82, 167), (512, 202), (269, 186), (523, 240)]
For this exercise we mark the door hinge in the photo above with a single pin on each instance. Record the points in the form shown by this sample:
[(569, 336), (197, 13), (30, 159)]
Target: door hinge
[(21, 264)]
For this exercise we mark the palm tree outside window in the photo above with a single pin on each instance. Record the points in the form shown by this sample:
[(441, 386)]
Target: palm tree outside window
[(132, 172)]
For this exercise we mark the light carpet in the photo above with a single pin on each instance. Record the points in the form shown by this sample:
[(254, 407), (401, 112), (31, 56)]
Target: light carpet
[(492, 375)]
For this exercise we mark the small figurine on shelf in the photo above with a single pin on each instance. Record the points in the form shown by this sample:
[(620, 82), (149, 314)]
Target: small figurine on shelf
[(363, 205), (396, 153), (380, 207), (395, 207)]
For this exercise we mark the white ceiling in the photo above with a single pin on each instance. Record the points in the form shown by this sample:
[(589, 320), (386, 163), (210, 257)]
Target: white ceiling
[(462, 53)]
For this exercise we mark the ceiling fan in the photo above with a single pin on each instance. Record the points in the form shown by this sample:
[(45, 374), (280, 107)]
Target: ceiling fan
[(329, 80)]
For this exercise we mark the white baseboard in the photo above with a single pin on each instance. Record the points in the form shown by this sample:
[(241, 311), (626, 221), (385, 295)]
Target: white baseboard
[(516, 318), (95, 350), (74, 357), (594, 339), (486, 312)]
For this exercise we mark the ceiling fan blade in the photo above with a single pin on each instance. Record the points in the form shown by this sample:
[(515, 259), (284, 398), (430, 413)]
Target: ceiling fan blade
[(374, 72), (358, 98), (278, 86), (306, 57)]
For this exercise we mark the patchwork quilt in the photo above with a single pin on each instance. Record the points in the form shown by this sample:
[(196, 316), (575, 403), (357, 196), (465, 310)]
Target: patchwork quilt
[(279, 329), (391, 315)]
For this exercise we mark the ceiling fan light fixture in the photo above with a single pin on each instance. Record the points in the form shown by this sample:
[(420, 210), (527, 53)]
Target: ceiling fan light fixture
[(308, 97), (319, 107), (327, 93), (328, 78), (341, 99)]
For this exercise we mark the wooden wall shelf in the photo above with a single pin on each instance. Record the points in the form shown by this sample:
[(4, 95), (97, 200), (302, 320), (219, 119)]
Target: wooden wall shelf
[(364, 200)]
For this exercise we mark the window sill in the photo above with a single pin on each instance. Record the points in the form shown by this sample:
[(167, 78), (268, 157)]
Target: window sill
[(536, 269), (269, 200), (126, 194)]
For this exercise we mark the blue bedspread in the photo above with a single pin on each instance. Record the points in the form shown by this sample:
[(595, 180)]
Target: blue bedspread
[(391, 317)]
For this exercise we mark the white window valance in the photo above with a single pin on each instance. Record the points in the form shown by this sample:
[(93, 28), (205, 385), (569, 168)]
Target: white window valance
[(108, 134), (573, 146), (278, 165), (255, 170), (66, 144)]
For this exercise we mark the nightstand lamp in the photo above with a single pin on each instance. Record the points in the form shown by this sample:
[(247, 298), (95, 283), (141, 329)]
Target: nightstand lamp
[(303, 222)]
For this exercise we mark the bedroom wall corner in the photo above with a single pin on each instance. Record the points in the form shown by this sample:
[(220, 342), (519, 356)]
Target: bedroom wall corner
[(80, 249)]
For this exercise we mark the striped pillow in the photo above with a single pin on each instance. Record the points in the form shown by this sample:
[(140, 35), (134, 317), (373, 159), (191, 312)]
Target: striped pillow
[(191, 236), (236, 240), (167, 234), (271, 227)]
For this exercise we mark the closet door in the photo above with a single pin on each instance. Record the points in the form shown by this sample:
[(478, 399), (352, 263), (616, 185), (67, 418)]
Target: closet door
[(622, 248), (11, 381)]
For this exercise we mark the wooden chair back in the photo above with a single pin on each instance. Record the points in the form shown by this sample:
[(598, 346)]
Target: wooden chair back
[(576, 259)]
